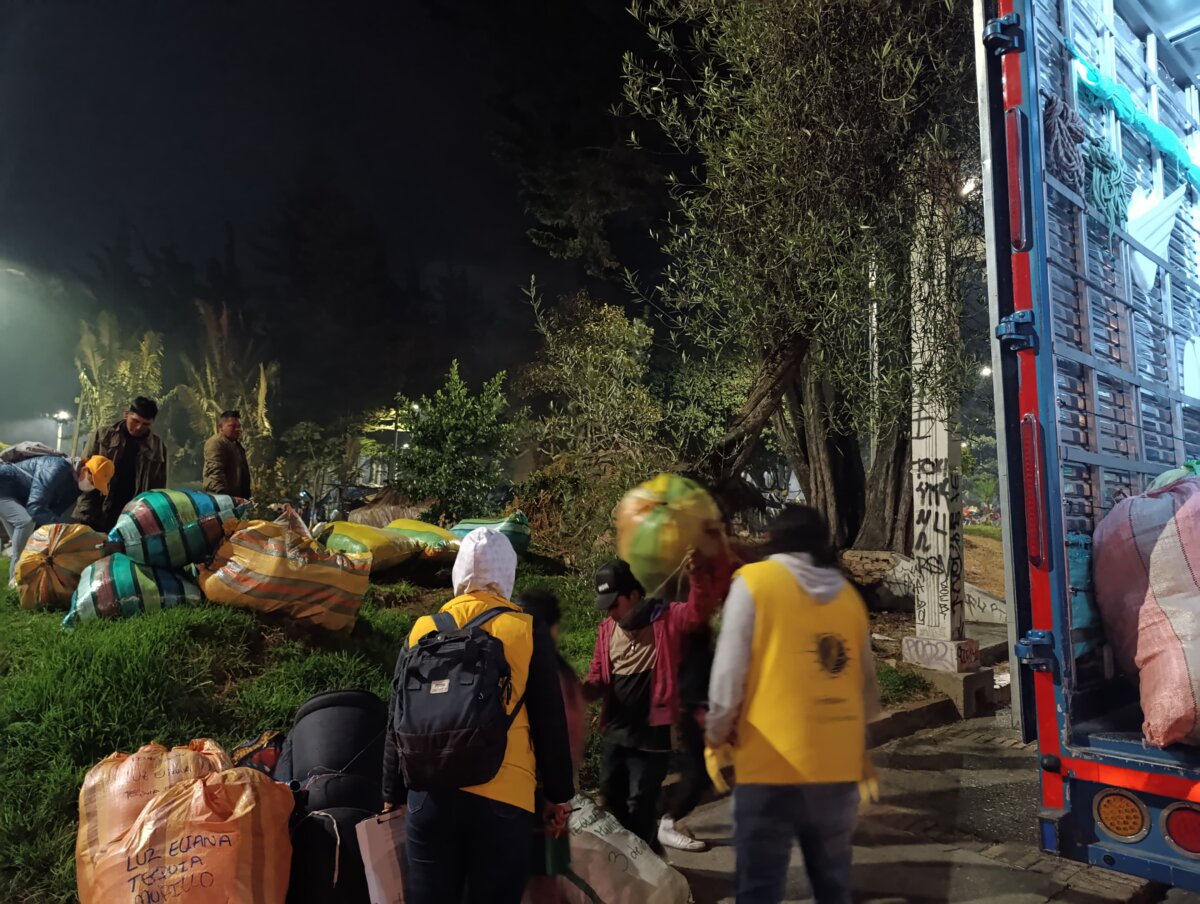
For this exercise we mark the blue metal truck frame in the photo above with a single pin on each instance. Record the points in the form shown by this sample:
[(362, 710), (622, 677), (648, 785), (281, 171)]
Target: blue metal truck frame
[(1090, 404)]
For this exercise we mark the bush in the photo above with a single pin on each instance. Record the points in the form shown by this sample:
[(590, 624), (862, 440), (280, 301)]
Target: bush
[(458, 446)]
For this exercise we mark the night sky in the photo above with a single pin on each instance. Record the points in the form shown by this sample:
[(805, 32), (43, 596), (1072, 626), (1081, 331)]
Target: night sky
[(181, 116)]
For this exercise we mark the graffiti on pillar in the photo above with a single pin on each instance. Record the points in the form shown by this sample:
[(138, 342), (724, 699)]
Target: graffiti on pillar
[(937, 545)]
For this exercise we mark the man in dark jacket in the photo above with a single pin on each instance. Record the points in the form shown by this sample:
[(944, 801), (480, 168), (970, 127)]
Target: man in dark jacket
[(43, 490), (225, 469), (139, 459)]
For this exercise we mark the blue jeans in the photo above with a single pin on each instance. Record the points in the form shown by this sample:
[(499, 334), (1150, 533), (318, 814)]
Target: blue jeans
[(466, 848), (767, 818), (19, 526)]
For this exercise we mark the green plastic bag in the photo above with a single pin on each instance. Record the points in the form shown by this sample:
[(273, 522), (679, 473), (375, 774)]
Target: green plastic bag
[(515, 527)]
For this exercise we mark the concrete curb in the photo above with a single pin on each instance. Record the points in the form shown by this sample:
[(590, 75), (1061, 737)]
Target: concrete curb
[(909, 718)]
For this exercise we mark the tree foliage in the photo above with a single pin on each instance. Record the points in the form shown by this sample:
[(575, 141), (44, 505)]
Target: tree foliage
[(114, 369), (458, 446), (825, 132), (592, 370), (230, 374)]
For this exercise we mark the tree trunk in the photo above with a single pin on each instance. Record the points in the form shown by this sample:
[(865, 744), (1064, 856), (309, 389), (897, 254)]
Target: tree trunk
[(828, 462), (736, 448), (886, 523)]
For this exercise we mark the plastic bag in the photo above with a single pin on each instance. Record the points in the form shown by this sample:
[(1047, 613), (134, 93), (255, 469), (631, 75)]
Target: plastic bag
[(212, 840), (658, 523), (118, 587), (174, 528), (515, 527), (437, 543), (388, 549), (54, 558), (117, 789), (611, 864), (276, 566), (1189, 469)]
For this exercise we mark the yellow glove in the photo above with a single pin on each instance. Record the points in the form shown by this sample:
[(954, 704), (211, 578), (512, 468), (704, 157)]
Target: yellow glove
[(715, 761), (868, 788)]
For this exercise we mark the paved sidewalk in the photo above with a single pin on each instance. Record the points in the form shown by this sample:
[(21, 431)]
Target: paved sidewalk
[(957, 823)]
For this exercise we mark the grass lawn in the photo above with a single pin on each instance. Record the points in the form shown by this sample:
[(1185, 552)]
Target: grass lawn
[(67, 700), (991, 531)]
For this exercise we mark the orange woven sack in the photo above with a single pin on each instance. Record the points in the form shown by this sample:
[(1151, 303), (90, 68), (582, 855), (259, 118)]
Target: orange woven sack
[(220, 839), (117, 789), (54, 558)]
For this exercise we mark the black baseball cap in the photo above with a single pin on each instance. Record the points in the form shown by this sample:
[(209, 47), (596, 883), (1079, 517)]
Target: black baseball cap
[(614, 579)]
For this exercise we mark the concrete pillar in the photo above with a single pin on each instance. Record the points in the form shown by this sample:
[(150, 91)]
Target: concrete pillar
[(937, 564), (937, 567)]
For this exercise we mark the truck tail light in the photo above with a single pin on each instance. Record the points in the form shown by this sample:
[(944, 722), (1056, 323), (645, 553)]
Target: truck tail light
[(1121, 816), (1181, 826)]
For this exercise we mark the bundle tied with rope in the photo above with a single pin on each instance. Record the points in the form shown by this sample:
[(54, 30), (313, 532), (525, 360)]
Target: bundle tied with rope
[(660, 524)]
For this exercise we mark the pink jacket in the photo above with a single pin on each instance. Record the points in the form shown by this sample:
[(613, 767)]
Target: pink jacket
[(671, 621)]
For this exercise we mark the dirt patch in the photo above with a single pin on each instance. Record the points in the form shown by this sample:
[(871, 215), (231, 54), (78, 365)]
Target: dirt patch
[(983, 560), (887, 631)]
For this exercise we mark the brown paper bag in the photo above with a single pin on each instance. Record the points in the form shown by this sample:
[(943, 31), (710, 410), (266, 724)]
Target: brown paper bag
[(381, 840)]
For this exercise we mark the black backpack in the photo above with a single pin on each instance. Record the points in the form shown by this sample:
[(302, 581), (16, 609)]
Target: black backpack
[(450, 705)]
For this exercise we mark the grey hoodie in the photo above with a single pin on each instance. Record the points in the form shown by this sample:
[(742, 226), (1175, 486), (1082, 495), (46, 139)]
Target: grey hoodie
[(731, 664)]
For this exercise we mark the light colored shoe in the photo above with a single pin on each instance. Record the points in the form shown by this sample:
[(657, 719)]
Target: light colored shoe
[(670, 836)]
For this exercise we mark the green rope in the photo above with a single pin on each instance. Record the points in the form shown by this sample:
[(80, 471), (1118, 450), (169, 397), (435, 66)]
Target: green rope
[(1109, 187)]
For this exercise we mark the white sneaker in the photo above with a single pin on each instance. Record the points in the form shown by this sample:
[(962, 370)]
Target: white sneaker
[(670, 836)]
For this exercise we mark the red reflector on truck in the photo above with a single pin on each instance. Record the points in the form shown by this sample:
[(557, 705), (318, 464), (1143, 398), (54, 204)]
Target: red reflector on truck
[(1035, 516), (1181, 826)]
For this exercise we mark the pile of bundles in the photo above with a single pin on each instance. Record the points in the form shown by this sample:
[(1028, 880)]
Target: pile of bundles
[(177, 547), (405, 541), (1148, 593), (173, 547)]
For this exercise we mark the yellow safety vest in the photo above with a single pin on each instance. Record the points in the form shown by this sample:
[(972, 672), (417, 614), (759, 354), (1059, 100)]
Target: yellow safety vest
[(803, 720), (516, 781)]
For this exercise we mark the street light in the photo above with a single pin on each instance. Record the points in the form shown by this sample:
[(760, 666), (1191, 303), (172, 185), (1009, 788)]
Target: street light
[(985, 371), (60, 418)]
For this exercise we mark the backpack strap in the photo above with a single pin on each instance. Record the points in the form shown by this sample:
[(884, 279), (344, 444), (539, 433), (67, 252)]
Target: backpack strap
[(445, 622), (482, 619)]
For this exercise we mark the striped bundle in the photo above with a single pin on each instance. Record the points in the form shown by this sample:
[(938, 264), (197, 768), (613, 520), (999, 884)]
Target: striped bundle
[(174, 528), (54, 558), (273, 566), (118, 587)]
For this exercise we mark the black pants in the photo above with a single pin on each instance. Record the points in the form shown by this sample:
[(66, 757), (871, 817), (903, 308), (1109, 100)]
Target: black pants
[(631, 782), (463, 847), (693, 773)]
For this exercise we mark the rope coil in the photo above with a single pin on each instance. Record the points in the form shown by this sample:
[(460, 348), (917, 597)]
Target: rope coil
[(1065, 131)]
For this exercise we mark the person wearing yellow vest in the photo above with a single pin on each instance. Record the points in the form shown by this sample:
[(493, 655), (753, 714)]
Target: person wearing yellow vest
[(792, 688), (472, 844)]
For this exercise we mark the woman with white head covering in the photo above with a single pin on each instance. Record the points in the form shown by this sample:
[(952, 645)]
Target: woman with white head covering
[(472, 844)]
